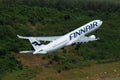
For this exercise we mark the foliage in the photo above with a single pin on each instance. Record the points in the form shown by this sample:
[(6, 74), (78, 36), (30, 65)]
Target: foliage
[(99, 5), (8, 63), (35, 21), (58, 17)]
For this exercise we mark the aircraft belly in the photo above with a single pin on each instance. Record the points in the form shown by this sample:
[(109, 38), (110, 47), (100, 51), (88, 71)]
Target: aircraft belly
[(56, 46)]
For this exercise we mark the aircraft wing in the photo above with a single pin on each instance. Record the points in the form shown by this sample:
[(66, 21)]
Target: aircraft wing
[(86, 39), (49, 38)]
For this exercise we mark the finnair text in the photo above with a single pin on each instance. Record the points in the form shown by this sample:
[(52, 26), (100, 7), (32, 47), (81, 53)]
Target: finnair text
[(83, 30)]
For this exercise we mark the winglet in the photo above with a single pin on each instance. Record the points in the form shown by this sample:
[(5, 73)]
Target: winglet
[(19, 36), (22, 37)]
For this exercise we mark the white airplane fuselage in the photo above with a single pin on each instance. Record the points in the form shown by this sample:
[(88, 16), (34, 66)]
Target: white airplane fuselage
[(69, 38)]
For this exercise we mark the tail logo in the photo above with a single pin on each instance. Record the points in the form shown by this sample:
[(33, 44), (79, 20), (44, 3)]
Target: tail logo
[(36, 43)]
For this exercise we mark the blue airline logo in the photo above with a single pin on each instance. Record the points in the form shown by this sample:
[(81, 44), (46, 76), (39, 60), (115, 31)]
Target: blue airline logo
[(83, 30), (36, 43)]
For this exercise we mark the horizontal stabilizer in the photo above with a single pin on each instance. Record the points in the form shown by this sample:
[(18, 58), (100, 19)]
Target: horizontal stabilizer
[(32, 52), (29, 51)]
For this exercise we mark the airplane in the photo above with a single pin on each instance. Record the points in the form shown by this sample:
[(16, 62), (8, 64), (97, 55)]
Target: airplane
[(76, 36)]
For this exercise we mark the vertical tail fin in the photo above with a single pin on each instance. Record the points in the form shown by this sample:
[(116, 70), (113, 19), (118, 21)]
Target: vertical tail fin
[(36, 44)]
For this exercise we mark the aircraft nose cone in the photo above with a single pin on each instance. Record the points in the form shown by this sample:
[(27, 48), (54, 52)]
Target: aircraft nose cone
[(99, 21)]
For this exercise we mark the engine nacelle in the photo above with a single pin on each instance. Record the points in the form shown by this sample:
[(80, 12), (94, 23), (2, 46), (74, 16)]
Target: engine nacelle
[(92, 37)]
